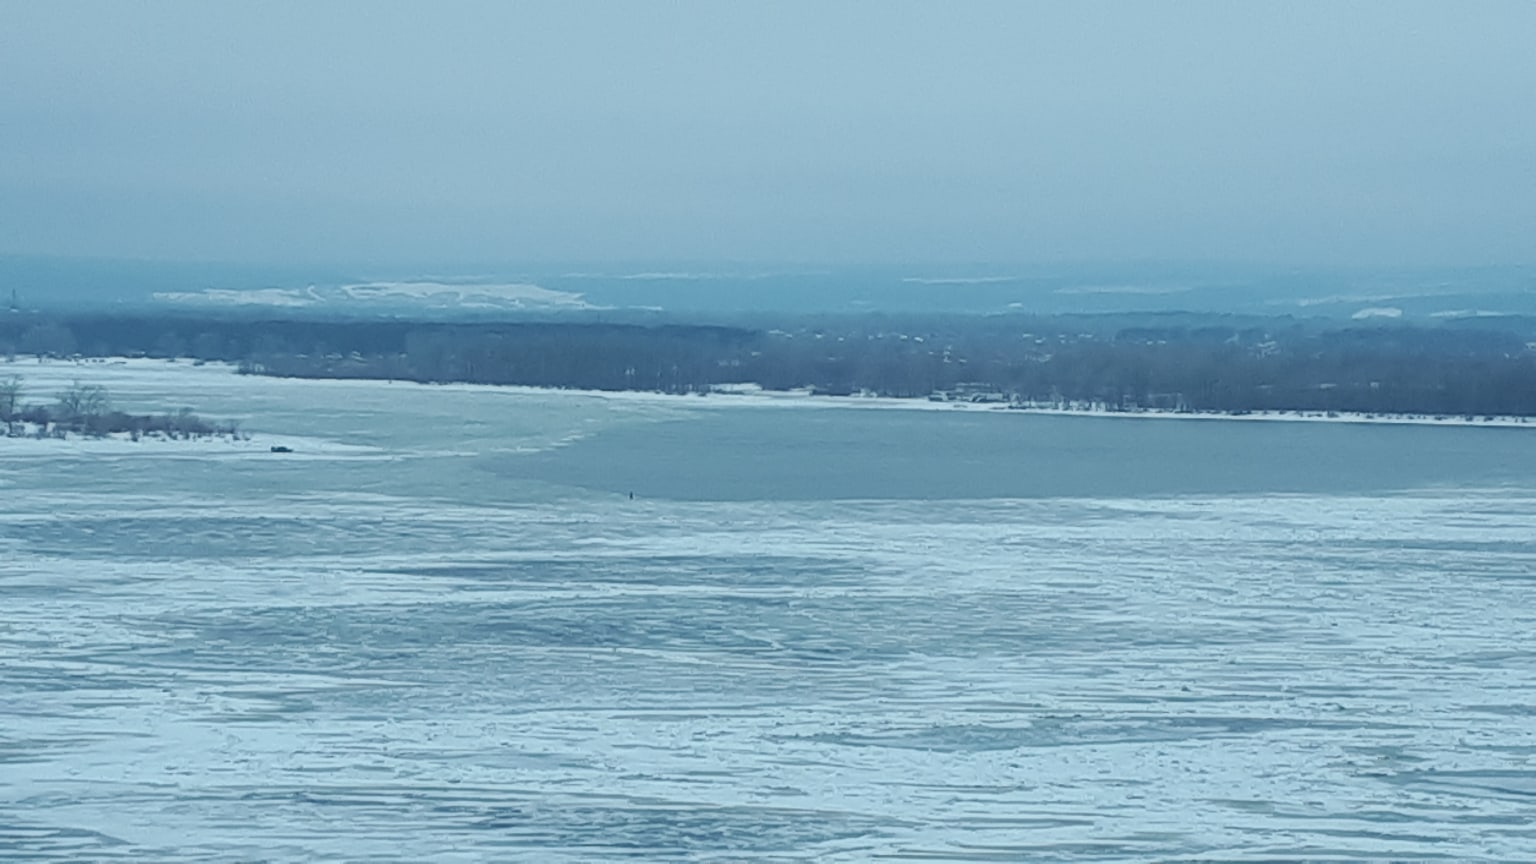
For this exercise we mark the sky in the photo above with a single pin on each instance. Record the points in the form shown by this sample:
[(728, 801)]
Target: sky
[(1394, 133)]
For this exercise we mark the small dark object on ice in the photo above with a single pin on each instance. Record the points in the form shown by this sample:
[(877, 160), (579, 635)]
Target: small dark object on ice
[(278, 448)]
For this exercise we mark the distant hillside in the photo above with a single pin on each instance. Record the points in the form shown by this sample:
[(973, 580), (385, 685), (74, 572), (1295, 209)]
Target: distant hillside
[(727, 289)]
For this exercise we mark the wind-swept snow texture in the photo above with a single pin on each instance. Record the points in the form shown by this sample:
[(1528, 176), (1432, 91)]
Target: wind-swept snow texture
[(394, 645)]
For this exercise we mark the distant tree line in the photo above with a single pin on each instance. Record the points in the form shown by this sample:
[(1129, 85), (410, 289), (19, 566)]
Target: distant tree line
[(1120, 362)]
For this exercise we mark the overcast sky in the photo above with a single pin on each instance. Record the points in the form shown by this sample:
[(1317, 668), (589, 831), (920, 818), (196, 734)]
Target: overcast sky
[(1295, 133)]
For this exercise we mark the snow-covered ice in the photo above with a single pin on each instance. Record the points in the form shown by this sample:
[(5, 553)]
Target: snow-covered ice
[(425, 656)]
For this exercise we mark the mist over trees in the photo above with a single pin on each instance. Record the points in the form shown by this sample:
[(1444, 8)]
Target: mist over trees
[(1118, 362)]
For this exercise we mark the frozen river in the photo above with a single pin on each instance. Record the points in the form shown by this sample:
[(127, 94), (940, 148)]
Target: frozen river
[(442, 630)]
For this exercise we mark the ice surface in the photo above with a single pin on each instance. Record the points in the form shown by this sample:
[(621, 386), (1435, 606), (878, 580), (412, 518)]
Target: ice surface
[(409, 657)]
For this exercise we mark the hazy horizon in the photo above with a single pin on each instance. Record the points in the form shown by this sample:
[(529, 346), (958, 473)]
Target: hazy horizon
[(845, 134)]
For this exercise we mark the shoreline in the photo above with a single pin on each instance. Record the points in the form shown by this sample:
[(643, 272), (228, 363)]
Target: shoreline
[(753, 396), (739, 396), (804, 398)]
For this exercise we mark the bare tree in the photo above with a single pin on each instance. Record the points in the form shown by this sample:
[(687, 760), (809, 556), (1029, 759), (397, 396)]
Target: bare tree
[(10, 399), (10, 404), (83, 400)]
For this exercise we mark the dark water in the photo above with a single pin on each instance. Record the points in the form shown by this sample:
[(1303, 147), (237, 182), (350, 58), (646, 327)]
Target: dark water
[(819, 454)]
